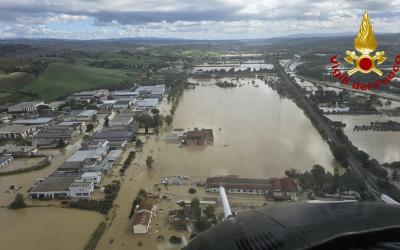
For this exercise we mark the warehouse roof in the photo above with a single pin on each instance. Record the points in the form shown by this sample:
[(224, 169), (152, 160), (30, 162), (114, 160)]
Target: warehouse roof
[(57, 181), (16, 128), (37, 121)]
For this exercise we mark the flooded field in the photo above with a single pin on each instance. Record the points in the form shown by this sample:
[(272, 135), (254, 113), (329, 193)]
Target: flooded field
[(235, 66), (256, 132), (46, 228), (383, 146)]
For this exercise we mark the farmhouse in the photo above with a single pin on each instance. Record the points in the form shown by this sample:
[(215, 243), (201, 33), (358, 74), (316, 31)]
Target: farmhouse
[(142, 218), (199, 137), (141, 222)]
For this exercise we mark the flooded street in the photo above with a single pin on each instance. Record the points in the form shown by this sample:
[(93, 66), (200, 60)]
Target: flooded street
[(256, 132), (383, 146)]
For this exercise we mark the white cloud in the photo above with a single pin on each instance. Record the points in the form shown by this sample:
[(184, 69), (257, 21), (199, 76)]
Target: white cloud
[(211, 19)]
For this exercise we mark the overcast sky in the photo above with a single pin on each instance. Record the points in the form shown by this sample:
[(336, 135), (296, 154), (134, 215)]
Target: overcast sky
[(201, 19)]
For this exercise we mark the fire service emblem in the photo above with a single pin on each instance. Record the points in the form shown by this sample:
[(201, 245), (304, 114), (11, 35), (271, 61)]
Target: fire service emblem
[(365, 61)]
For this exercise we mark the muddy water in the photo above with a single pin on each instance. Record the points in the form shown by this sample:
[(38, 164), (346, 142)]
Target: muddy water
[(257, 133), (46, 228), (383, 146)]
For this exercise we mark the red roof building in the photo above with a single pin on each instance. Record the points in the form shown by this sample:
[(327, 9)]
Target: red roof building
[(282, 188)]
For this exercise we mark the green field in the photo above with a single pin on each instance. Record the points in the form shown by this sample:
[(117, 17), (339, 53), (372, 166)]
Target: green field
[(15, 81), (60, 79), (139, 59)]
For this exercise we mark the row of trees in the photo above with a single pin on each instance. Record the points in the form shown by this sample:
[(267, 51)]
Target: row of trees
[(341, 151), (321, 181), (101, 206)]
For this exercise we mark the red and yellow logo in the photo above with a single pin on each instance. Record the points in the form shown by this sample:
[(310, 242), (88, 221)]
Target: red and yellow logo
[(365, 61)]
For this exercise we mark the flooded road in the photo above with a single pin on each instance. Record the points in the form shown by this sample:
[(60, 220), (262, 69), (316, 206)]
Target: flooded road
[(257, 133)]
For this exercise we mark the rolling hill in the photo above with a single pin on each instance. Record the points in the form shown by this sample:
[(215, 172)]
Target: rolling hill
[(60, 79)]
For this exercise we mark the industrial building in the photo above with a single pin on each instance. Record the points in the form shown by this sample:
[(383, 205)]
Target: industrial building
[(234, 184), (87, 96), (123, 119), (16, 131), (25, 107), (155, 91), (147, 104)]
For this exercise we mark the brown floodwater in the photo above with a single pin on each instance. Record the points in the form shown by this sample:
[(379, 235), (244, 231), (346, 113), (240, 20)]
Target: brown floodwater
[(46, 228), (383, 146), (257, 133)]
